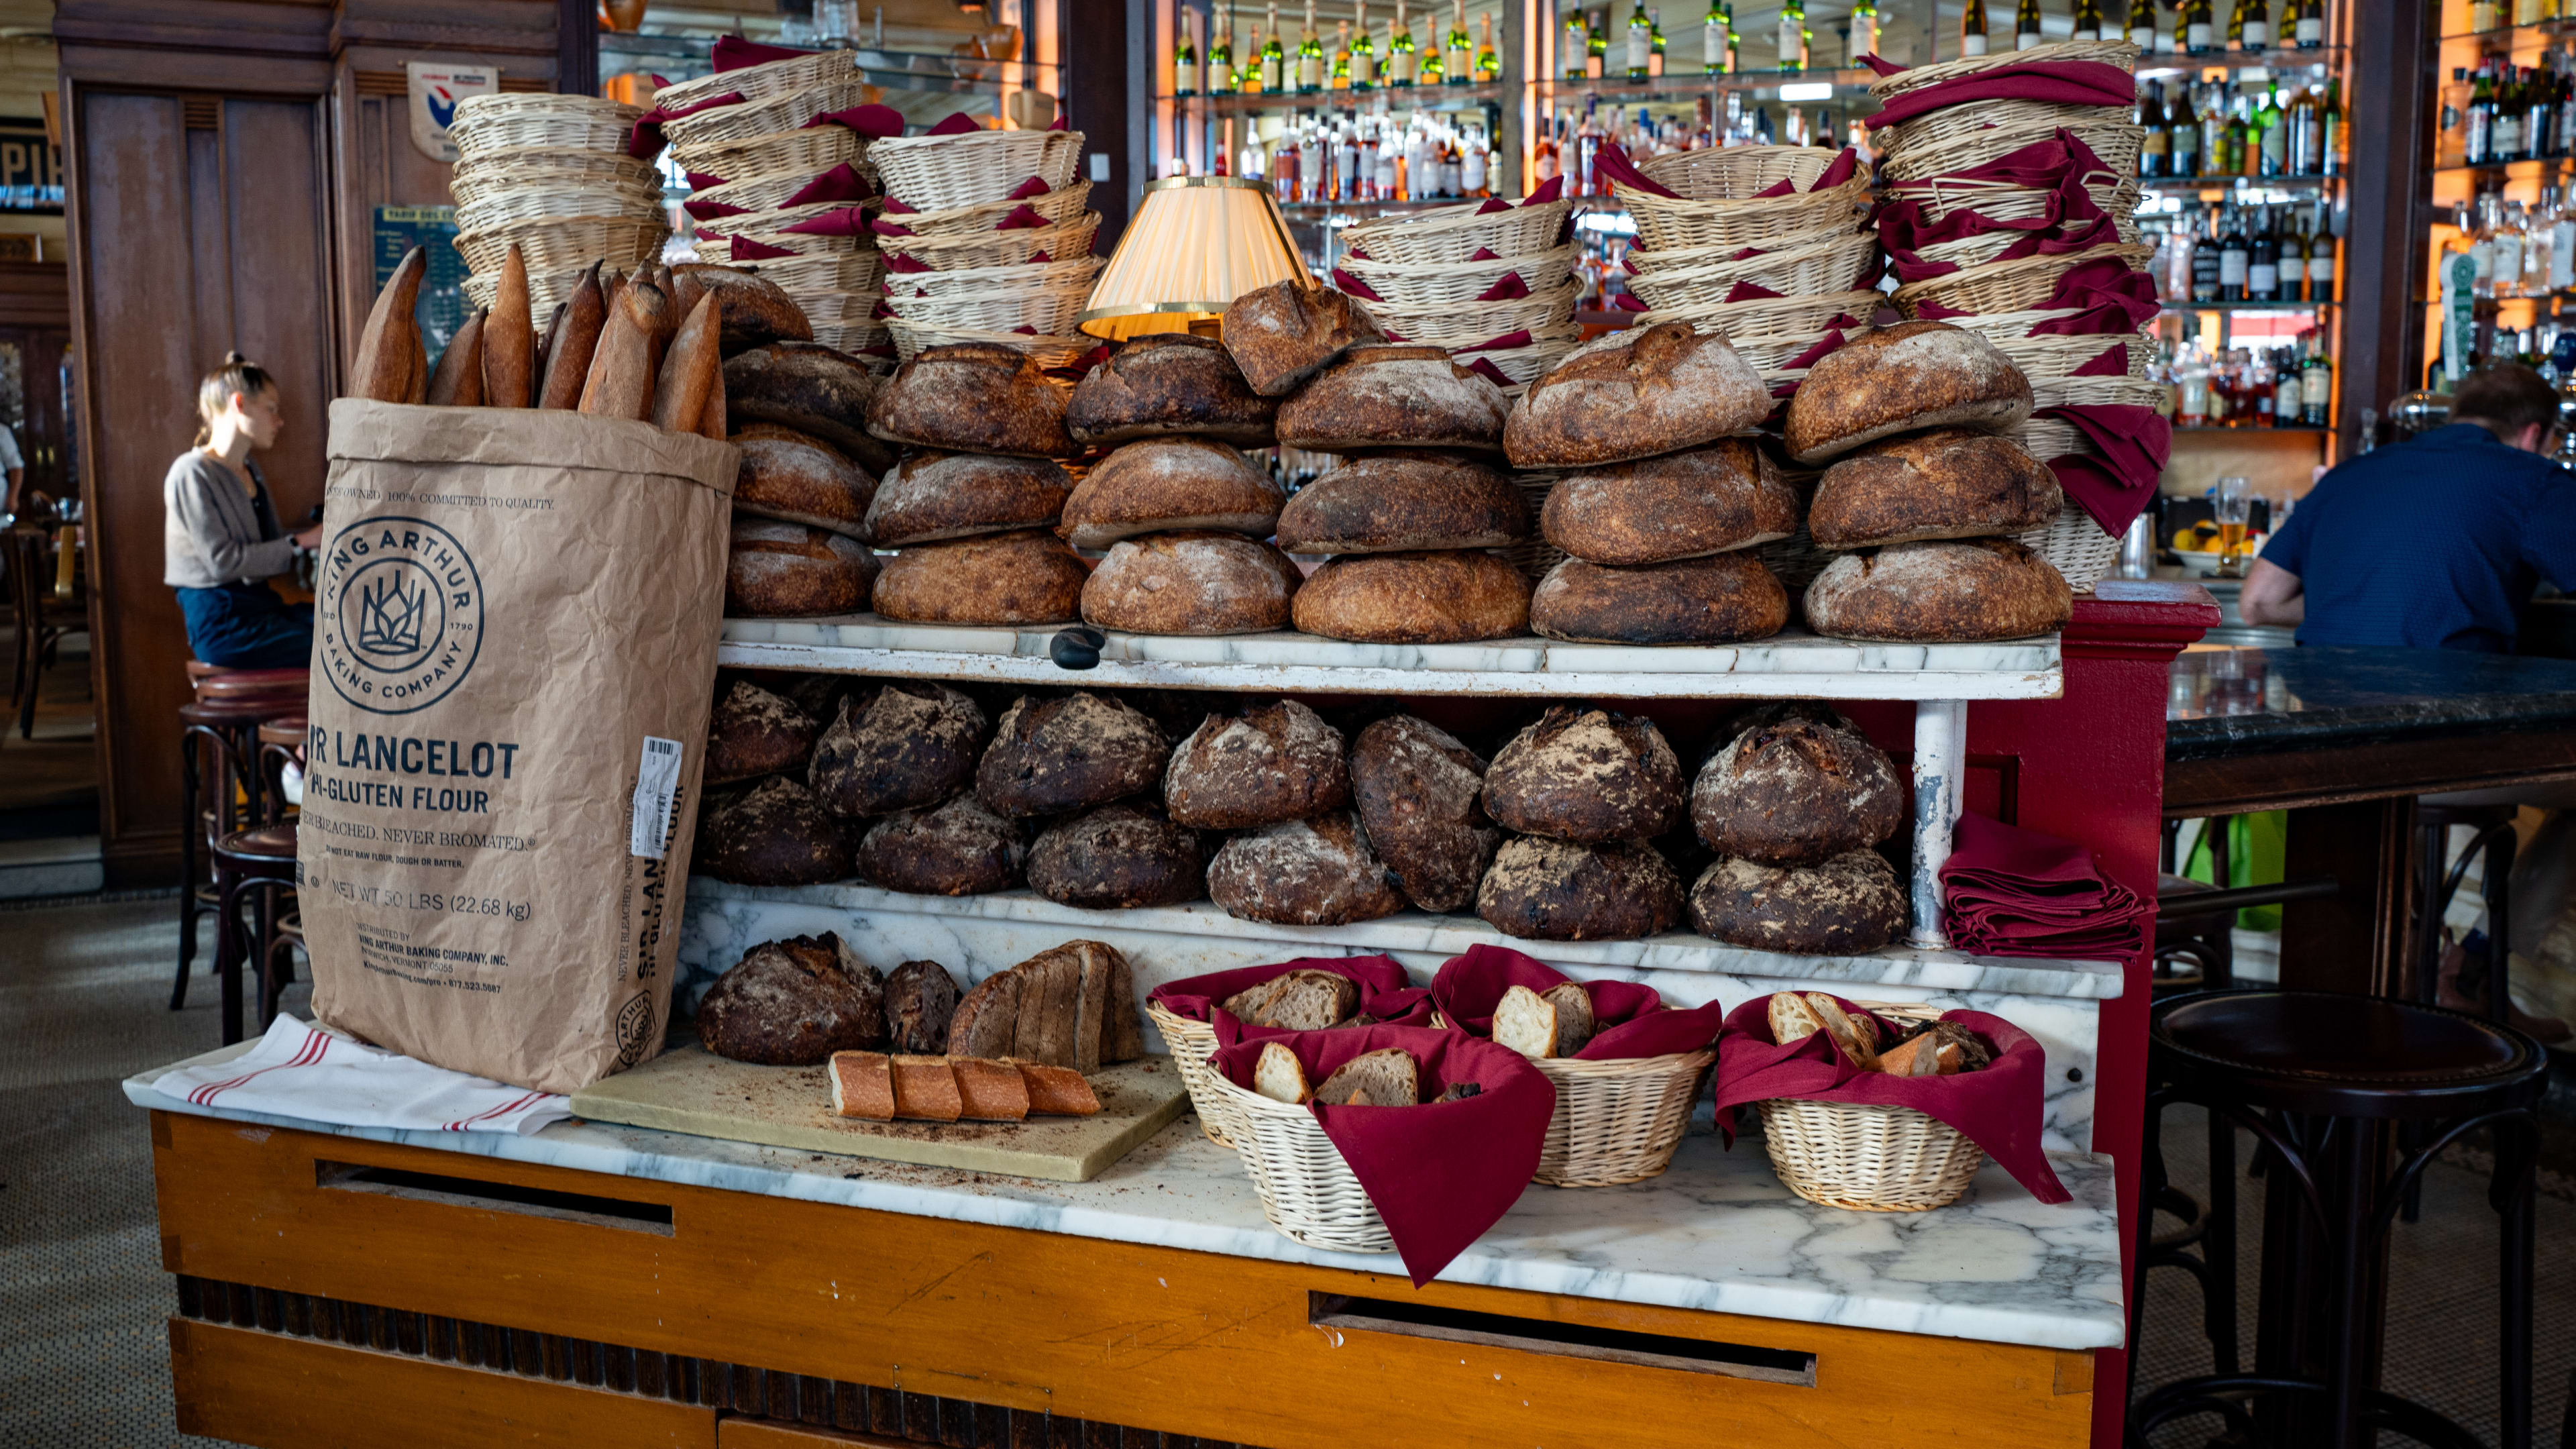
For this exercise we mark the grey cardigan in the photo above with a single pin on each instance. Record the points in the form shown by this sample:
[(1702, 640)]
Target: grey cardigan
[(212, 532)]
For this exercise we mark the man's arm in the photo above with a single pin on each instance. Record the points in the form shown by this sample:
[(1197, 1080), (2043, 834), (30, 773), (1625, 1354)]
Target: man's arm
[(2272, 595)]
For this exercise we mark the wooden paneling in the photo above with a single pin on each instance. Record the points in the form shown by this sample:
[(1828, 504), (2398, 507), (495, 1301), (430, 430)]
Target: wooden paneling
[(274, 215), (35, 294)]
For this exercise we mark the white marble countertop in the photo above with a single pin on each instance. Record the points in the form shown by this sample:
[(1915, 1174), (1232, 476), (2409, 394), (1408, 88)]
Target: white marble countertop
[(1795, 663), (1717, 1232)]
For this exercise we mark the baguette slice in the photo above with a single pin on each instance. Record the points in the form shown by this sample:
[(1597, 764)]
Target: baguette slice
[(1390, 1076), (1279, 1076), (509, 338), (391, 366), (990, 1091), (1574, 1024), (1057, 1091), (458, 382), (925, 1088), (1921, 1056), (862, 1085), (1792, 1019), (1857, 1036), (1526, 1022)]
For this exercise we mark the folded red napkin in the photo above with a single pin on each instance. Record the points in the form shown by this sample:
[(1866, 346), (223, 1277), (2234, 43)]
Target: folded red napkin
[(1439, 1173), (1381, 980), (1493, 204), (644, 139), (1815, 354), (1040, 257), (2016, 892), (705, 210), (897, 206), (732, 52), (1355, 287), (702, 181), (1504, 343), (905, 262), (841, 183), (1034, 186), (2106, 283), (2111, 361), (1629, 302), (1492, 374), (1838, 170), (1749, 292), (957, 124), (842, 221), (1548, 190), (1996, 1106), (2057, 82), (744, 249), (1023, 217), (1480, 254), (2135, 443), (1509, 288), (2041, 164), (875, 122), (1629, 1018), (1611, 164)]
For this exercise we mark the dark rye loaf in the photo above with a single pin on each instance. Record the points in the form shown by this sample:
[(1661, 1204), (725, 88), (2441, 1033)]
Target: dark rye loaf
[(1118, 857), (776, 570), (1633, 395), (777, 834), (793, 1003), (973, 397), (1029, 577), (1587, 775), (811, 388), (1948, 483), (1285, 333), (1795, 789), (920, 1001), (1191, 583), (898, 746), (1402, 501), (799, 479), (1842, 906), (752, 732), (1169, 382), (1318, 872), (1901, 379), (1952, 591), (958, 848), (1721, 599), (1049, 756), (1160, 485), (1274, 762), (1421, 797), (1414, 598), (1726, 496), (1395, 397), (1559, 890), (930, 497)]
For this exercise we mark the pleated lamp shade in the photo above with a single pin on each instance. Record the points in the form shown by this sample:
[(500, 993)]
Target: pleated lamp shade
[(1196, 244)]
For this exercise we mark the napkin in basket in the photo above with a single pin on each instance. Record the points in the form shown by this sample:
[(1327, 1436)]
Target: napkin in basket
[(1385, 991), (1629, 1018)]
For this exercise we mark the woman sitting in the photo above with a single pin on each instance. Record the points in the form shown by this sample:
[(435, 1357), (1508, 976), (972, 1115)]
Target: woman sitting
[(221, 539)]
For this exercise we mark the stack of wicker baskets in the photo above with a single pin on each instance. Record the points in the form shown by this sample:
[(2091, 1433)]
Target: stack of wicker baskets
[(761, 154), (1430, 270), (550, 174), (2007, 300), (999, 220), (1719, 236)]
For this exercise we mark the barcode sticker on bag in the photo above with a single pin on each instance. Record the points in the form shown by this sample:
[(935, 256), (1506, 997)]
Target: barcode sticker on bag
[(657, 784)]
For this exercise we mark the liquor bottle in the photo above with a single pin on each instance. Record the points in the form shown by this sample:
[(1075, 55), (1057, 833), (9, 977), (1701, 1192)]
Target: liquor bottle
[(1363, 49), (2088, 19), (2236, 157), (2232, 260), (1543, 156), (1641, 40), (1221, 78), (2504, 250), (1792, 39), (2562, 247), (2213, 134), (2478, 147), (2316, 389), (2252, 25), (2182, 135), (2321, 259), (2294, 258), (1346, 163), (1575, 45), (2330, 127), (1864, 32), (2142, 25), (2272, 127), (1274, 57), (2205, 261), (1428, 67), (2308, 29), (1972, 28), (1310, 56), (2262, 261), (1458, 57), (2504, 119), (1712, 37), (1489, 61), (2026, 28), (2284, 412), (2539, 114), (1185, 59), (1400, 55), (2155, 156), (2537, 234), (2306, 135), (2199, 28), (1655, 43), (1475, 168)]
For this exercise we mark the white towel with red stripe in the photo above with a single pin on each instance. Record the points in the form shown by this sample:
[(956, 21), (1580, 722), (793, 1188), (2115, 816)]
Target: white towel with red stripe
[(301, 1070)]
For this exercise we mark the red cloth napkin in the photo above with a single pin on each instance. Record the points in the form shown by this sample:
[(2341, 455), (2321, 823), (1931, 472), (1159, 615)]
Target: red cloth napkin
[(875, 122), (705, 210), (841, 183), (1504, 343), (845, 221), (1629, 302), (1034, 186), (2016, 892), (1509, 288), (1629, 1018), (1381, 978), (1548, 190), (1748, 292), (2135, 445), (1040, 257), (1440, 1173), (957, 124), (744, 249), (1611, 163), (732, 52), (2041, 164), (905, 262), (1815, 354), (1023, 217), (1838, 171), (1997, 1106), (702, 181), (2108, 284), (897, 206), (1480, 254), (2058, 82), (2111, 361), (1493, 204), (1492, 374), (644, 139), (1355, 287)]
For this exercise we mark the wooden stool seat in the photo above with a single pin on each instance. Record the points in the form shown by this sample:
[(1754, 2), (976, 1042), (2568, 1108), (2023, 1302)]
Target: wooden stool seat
[(259, 844), (260, 859), (242, 710), (234, 683), (285, 729)]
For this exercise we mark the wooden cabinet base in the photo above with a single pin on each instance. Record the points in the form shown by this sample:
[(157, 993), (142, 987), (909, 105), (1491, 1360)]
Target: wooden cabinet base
[(478, 1301)]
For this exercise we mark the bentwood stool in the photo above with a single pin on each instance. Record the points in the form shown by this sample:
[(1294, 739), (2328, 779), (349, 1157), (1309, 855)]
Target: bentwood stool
[(260, 859), (2195, 948), (219, 779), (2321, 1079)]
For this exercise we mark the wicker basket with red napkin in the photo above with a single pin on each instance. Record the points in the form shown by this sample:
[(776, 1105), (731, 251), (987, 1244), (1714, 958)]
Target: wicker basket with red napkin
[(1187, 1013)]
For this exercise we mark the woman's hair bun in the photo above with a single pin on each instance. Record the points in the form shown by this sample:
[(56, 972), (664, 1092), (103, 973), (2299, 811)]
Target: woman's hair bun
[(234, 359)]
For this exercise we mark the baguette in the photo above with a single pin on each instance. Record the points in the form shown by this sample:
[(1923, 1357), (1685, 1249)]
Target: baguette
[(509, 338), (691, 371), (391, 366), (711, 417), (575, 338), (612, 287), (629, 354), (990, 1091), (1057, 1091), (925, 1088), (458, 382), (862, 1085)]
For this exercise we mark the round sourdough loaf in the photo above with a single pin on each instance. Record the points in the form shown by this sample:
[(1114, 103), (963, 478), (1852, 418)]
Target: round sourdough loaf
[(811, 388), (1285, 333), (1415, 598), (1945, 592), (1028, 577), (1395, 397), (972, 397), (1404, 501), (1795, 786), (1169, 382), (777, 570), (1051, 755), (1274, 762), (1726, 496), (752, 733), (1160, 485), (752, 310), (1318, 872), (1948, 483), (957, 848), (1191, 583), (1901, 379), (897, 746), (1843, 906), (775, 834), (1118, 857), (793, 1003), (1587, 775), (1724, 598), (930, 497), (1635, 394), (1558, 890), (798, 479), (1421, 796)]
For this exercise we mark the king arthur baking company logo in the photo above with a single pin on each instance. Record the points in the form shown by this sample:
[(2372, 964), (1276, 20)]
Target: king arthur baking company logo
[(400, 617)]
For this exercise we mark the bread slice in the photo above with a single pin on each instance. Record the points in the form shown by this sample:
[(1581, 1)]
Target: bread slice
[(1057, 1091), (1574, 1024), (1526, 1022), (1050, 992), (1792, 1019), (1306, 1000), (1278, 1075), (1390, 1076), (987, 1020), (1090, 1002), (862, 1085), (990, 1091), (1126, 1039), (925, 1088), (1920, 1056), (1856, 1035)]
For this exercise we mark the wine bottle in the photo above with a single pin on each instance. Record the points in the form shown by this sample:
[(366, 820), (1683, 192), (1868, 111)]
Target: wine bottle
[(1793, 33), (1864, 32), (1310, 56), (2142, 25), (1400, 54), (1574, 45), (1972, 28), (2088, 19), (1274, 57), (1363, 49), (2027, 32), (1489, 63), (1185, 57), (1458, 59), (1641, 40)]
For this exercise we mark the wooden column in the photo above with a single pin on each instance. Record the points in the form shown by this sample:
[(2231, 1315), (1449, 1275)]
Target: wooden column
[(2388, 199)]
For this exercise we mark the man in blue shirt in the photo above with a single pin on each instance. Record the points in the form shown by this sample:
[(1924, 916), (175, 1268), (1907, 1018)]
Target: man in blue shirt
[(2435, 543)]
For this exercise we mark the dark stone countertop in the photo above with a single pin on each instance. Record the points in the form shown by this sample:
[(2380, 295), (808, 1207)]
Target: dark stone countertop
[(2228, 702)]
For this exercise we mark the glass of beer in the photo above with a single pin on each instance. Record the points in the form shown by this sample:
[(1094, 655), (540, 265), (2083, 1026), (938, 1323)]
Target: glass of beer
[(2235, 499)]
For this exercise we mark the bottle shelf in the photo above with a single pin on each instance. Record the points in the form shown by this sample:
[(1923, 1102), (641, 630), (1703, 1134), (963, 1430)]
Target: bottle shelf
[(2167, 63), (2188, 306), (2505, 37), (1847, 85), (2240, 432), (2528, 166), (1439, 97), (2236, 183), (1317, 209)]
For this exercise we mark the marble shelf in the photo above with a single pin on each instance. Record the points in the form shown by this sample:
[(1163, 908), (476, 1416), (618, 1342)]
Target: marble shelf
[(1717, 1232), (1792, 664)]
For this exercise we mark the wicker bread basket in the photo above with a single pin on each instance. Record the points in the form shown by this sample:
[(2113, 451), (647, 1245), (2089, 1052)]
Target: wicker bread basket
[(1737, 173), (910, 337), (810, 149), (765, 193), (2054, 356), (1055, 208), (855, 338), (760, 82), (534, 203), (1810, 315), (997, 281), (1456, 284), (1956, 123), (554, 244), (731, 125), (1525, 365), (1617, 1121), (2075, 546), (1770, 352), (2013, 286), (781, 218), (1832, 264), (1454, 326), (535, 120), (1664, 224), (1865, 1156), (500, 172), (1307, 1191), (943, 173), (2107, 52), (998, 248), (1047, 310), (2003, 201), (715, 246), (1192, 1043), (832, 272), (1456, 233), (2115, 143), (2053, 392)]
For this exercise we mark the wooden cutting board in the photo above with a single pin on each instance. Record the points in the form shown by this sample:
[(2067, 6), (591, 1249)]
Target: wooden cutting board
[(690, 1089)]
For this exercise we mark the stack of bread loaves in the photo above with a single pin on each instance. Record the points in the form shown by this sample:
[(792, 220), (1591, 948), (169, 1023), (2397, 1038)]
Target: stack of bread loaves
[(1408, 517), (1660, 499), (972, 506), (1588, 791), (549, 175), (1492, 281), (1924, 492), (775, 177), (1792, 804), (961, 184)]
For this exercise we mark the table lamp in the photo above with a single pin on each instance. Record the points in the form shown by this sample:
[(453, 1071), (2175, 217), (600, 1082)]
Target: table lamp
[(1196, 244)]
